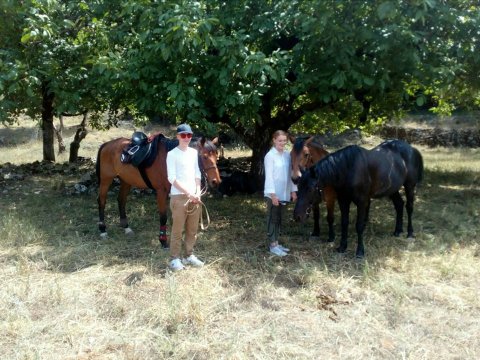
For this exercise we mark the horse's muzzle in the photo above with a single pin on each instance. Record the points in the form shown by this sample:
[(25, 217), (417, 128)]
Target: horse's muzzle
[(302, 216)]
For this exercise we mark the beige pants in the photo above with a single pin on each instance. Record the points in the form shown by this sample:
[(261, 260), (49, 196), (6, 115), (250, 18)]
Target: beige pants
[(183, 217)]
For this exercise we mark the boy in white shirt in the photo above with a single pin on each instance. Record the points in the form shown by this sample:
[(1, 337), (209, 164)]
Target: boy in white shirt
[(184, 174)]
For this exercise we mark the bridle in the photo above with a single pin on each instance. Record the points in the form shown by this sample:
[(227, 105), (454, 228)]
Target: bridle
[(307, 157), (205, 170)]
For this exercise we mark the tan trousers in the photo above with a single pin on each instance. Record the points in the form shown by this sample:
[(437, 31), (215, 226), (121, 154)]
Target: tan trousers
[(183, 217)]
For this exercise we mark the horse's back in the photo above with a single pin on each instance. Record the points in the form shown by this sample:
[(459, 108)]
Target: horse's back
[(411, 156), (109, 165), (393, 164)]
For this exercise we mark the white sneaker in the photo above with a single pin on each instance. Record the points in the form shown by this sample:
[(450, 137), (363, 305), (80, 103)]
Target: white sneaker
[(275, 250), (193, 260), (283, 248), (176, 265)]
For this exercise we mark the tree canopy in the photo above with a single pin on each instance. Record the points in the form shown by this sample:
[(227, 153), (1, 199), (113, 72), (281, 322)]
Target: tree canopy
[(252, 65)]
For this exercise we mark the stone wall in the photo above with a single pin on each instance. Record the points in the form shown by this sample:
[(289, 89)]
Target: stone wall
[(433, 136)]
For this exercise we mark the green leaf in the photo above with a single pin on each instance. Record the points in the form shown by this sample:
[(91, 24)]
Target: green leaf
[(25, 38), (386, 10), (420, 100), (369, 81)]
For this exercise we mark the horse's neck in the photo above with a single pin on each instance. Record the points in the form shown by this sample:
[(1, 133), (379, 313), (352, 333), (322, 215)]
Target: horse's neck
[(327, 172)]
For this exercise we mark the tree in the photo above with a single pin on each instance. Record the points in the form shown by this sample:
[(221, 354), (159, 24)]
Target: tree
[(253, 65), (258, 66), (47, 53)]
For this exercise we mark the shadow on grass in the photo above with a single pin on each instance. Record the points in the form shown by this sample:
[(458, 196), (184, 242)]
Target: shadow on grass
[(60, 231)]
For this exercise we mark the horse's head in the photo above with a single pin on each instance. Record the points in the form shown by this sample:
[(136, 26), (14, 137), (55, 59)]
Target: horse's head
[(207, 152), (308, 192), (300, 157)]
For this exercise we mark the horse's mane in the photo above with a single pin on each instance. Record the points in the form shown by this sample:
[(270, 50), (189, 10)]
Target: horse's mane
[(317, 141), (209, 145), (338, 165), (170, 144), (298, 144)]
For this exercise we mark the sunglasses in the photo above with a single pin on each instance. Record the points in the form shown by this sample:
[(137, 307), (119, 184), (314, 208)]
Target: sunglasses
[(186, 136)]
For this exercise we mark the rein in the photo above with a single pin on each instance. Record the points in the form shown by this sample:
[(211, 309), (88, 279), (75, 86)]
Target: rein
[(191, 209)]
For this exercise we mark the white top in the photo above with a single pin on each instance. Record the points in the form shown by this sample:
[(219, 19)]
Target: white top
[(183, 166), (278, 178)]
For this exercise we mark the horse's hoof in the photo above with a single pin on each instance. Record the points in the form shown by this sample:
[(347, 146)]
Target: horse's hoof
[(164, 244), (314, 237), (128, 231), (103, 235), (341, 250)]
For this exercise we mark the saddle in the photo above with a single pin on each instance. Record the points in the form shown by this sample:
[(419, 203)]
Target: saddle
[(138, 151)]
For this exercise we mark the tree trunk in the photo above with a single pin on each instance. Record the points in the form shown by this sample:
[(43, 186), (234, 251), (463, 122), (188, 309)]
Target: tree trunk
[(260, 147), (47, 124), (80, 134), (59, 134)]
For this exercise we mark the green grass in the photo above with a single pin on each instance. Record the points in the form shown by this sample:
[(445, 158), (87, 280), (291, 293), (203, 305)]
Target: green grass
[(68, 294)]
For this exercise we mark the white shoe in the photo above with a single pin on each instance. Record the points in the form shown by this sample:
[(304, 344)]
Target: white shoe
[(284, 249), (275, 250), (193, 260), (176, 265)]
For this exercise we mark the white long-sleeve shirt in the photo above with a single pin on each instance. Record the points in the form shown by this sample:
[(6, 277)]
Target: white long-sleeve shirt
[(183, 167), (278, 178)]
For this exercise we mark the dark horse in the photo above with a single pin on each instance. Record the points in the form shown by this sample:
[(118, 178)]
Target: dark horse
[(358, 175), (153, 176), (304, 154)]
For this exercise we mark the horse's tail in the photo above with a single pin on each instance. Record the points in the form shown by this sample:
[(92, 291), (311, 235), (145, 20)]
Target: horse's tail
[(97, 165), (419, 164)]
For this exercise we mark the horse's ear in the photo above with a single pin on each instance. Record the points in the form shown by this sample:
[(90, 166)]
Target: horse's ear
[(215, 141), (203, 140), (292, 139), (308, 141)]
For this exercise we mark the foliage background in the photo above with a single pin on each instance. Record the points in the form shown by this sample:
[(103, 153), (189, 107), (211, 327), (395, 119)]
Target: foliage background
[(250, 66)]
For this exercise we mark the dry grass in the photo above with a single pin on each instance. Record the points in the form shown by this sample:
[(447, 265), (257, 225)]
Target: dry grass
[(67, 294)]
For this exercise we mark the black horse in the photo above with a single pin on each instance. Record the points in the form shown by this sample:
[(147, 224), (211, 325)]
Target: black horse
[(358, 175)]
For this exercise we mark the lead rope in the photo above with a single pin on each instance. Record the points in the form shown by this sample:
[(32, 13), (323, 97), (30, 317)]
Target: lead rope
[(191, 209)]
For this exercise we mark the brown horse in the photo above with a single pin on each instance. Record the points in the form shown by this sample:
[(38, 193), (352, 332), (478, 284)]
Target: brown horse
[(153, 176), (305, 153)]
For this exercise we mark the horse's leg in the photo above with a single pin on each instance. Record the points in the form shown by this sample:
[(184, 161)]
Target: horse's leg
[(367, 211), (162, 210), (398, 204), (344, 210), (122, 202), (330, 203), (316, 220), (102, 201), (410, 195), (360, 227)]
